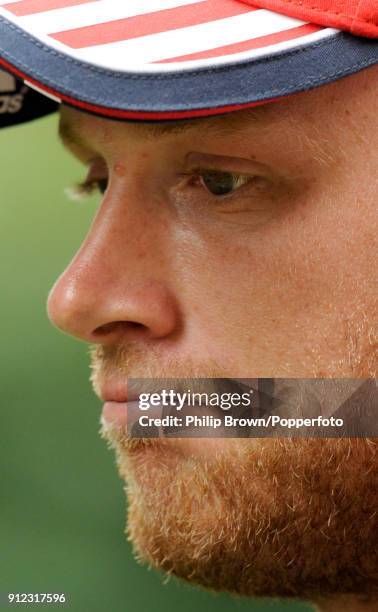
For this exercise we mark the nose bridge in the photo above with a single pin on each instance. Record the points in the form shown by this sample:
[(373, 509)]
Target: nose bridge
[(119, 274), (125, 242)]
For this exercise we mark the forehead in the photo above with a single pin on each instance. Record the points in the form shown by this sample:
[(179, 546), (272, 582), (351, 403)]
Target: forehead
[(308, 112)]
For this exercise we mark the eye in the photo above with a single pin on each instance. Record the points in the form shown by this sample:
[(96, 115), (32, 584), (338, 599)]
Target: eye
[(100, 184), (95, 181), (220, 183), (80, 191)]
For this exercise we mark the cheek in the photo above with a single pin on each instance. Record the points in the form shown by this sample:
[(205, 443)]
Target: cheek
[(283, 300)]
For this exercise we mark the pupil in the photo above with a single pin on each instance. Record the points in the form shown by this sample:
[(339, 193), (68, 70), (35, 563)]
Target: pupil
[(219, 183)]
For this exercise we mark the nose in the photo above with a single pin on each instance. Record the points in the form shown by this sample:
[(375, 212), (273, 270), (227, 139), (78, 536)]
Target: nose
[(117, 286)]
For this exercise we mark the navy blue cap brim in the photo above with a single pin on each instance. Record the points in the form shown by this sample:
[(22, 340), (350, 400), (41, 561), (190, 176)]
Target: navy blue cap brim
[(176, 94)]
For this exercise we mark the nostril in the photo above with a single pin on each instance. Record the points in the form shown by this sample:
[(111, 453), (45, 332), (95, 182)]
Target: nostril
[(135, 325), (117, 327)]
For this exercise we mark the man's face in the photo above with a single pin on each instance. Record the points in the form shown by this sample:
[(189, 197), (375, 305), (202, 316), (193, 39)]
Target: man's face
[(238, 247), (273, 278)]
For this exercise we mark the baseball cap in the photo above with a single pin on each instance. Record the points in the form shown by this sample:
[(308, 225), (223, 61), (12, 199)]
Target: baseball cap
[(175, 59)]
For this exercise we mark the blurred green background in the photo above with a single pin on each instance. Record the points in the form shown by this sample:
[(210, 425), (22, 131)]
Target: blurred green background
[(63, 507)]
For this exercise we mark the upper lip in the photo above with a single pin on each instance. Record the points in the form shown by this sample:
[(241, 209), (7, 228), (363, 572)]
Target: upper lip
[(117, 391)]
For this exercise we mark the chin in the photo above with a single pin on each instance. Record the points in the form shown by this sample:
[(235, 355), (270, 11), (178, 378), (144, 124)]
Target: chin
[(272, 518)]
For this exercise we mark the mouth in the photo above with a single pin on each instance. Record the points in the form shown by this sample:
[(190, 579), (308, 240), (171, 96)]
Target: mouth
[(122, 397), (118, 398)]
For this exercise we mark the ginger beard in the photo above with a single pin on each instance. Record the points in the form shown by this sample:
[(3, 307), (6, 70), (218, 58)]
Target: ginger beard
[(275, 517)]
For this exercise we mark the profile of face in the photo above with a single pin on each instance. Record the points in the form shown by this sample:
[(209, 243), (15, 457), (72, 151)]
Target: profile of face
[(238, 246)]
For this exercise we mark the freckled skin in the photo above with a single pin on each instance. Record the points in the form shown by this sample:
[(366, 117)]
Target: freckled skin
[(277, 279), (278, 282)]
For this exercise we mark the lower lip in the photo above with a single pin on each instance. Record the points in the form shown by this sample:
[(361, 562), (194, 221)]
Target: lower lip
[(115, 413), (124, 414)]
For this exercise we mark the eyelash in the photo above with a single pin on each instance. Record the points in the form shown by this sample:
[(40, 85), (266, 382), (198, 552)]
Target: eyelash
[(194, 179), (81, 191)]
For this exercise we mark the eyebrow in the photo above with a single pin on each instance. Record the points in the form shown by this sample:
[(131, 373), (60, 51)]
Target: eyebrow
[(69, 134), (216, 124), (220, 125)]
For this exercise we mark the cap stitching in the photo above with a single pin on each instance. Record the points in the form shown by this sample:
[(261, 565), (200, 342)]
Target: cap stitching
[(327, 12), (359, 20), (268, 93)]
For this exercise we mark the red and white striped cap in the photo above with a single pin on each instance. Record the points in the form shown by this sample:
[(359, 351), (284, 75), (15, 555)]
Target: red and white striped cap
[(171, 59)]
